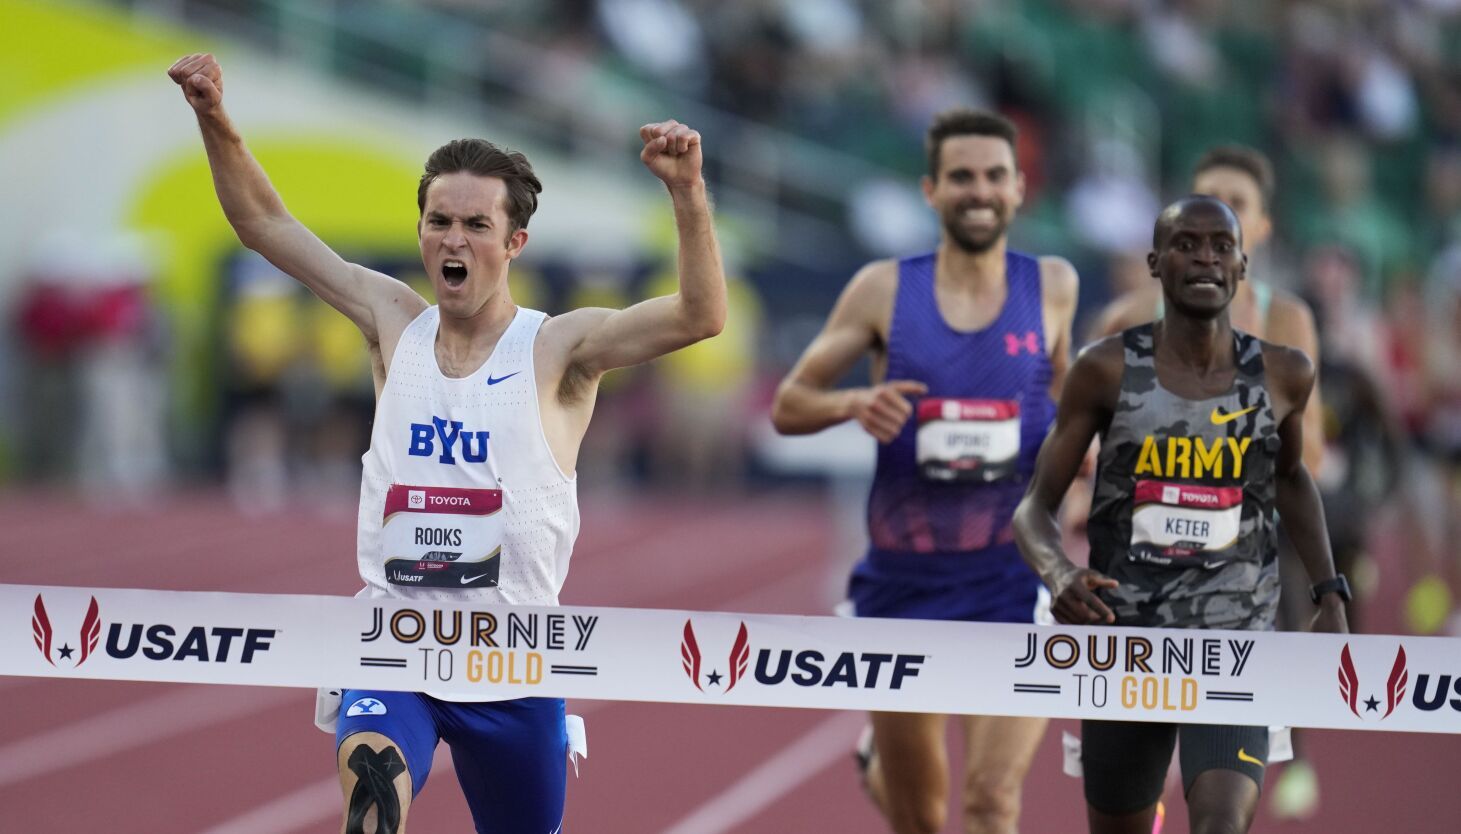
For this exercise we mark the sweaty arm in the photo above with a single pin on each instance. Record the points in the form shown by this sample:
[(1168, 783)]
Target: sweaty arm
[(376, 303), (1291, 376), (807, 401), (1291, 323), (599, 339), (1086, 405)]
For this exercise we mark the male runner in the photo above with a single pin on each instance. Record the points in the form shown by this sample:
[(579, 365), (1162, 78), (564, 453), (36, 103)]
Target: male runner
[(1201, 430), (476, 399), (1243, 178), (968, 345)]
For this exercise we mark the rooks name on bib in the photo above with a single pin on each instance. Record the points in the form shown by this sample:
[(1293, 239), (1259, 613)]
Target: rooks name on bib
[(471, 444)]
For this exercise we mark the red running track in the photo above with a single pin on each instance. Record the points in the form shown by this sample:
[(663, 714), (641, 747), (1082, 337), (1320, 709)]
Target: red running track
[(83, 756)]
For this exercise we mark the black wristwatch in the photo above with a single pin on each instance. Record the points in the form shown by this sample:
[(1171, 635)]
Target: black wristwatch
[(1337, 585)]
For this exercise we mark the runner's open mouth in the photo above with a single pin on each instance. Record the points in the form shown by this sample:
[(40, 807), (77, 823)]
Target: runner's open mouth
[(454, 274)]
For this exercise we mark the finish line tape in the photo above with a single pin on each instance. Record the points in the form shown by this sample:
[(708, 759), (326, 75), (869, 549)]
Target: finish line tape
[(1352, 682)]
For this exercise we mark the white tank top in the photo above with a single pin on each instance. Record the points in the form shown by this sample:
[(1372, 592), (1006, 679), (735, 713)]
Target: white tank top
[(460, 497)]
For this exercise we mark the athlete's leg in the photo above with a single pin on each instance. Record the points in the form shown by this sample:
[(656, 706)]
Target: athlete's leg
[(511, 761), (383, 754), (1222, 770), (1125, 764), (997, 755), (908, 776), (1136, 822), (1222, 802)]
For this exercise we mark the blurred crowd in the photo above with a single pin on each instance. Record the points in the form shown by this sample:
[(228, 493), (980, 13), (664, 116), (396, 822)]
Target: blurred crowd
[(1358, 102)]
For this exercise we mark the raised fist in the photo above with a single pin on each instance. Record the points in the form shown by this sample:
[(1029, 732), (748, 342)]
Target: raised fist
[(671, 152), (201, 79)]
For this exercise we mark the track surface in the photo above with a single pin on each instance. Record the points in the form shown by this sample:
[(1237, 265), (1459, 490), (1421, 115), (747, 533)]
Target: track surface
[(83, 756)]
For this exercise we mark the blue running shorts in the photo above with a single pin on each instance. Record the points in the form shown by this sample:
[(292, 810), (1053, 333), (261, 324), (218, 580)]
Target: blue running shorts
[(510, 756)]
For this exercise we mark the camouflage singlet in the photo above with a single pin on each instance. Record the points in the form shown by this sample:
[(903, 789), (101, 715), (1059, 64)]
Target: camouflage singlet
[(1183, 512)]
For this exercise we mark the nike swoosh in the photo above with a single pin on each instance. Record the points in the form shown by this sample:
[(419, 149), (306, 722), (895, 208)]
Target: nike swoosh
[(1219, 418), (491, 380), (1244, 757), (466, 579)]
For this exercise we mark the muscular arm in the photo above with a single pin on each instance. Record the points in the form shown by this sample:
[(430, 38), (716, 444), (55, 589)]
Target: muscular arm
[(374, 302), (1086, 405), (608, 339), (1060, 288), (807, 401), (1291, 376)]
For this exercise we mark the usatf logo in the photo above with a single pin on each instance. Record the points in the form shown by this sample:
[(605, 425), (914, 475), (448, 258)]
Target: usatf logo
[(803, 667), (159, 641), (40, 625), (1349, 685), (1432, 692), (740, 655)]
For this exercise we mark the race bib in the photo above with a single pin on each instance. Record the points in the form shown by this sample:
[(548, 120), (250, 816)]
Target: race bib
[(1181, 525), (968, 440), (440, 537)]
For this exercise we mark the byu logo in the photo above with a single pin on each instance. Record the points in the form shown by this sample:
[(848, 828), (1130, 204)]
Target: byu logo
[(366, 706), (473, 444)]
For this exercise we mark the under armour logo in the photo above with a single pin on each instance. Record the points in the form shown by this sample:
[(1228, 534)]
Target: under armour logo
[(1030, 342)]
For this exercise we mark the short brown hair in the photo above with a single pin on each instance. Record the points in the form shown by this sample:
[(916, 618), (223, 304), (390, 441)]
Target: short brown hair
[(965, 121), (1250, 161), (484, 159)]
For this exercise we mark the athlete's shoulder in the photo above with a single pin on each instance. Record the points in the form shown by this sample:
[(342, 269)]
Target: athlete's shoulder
[(1059, 283), (1290, 320), (1129, 310), (1288, 369), (1103, 360), (875, 283), (879, 272)]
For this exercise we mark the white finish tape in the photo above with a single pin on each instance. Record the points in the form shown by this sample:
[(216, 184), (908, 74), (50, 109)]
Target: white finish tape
[(1358, 682)]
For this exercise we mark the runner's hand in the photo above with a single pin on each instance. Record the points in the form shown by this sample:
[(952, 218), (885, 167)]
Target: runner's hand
[(671, 152), (1330, 619), (201, 78), (883, 409), (1076, 602)]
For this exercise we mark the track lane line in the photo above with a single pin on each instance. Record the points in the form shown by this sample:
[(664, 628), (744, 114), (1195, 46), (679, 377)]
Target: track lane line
[(829, 741), (145, 722)]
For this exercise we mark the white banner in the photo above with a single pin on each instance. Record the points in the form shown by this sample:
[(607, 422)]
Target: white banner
[(1353, 682)]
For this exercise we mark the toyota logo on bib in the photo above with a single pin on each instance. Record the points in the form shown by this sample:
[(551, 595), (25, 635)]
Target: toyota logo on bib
[(416, 499)]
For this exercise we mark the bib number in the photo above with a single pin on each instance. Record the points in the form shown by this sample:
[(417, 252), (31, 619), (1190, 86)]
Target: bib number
[(975, 441), (1181, 525), (440, 537)]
